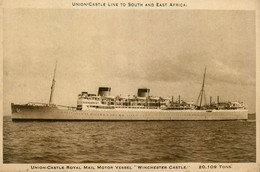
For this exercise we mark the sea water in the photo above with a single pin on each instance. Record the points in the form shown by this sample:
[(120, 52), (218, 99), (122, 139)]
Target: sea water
[(129, 141)]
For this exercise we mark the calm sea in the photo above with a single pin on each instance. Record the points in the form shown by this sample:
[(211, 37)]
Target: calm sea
[(129, 142)]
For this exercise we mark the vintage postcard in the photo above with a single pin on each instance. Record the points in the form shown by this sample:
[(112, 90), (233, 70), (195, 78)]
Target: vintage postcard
[(129, 85)]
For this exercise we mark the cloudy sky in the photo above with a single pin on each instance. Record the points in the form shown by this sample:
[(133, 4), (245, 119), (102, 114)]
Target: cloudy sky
[(164, 50)]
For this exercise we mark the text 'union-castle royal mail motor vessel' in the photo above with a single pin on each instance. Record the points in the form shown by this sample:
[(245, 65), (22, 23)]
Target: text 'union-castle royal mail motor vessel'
[(103, 106)]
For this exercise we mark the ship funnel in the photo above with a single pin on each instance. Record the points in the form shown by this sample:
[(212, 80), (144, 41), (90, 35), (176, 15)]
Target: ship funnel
[(104, 91), (143, 92)]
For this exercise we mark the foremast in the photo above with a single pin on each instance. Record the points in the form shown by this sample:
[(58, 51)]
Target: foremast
[(202, 91), (53, 85)]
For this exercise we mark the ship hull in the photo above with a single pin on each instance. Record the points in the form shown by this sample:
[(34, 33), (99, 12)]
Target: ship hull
[(26, 112)]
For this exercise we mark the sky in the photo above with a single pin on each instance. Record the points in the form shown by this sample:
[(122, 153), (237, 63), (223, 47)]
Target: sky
[(164, 50)]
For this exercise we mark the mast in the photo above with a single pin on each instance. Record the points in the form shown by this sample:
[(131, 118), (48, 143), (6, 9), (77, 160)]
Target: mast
[(202, 92), (53, 85)]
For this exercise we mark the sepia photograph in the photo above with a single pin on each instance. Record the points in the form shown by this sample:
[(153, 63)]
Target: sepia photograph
[(128, 86)]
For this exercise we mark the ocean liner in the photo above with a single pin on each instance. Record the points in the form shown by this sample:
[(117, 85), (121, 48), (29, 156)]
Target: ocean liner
[(143, 106)]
